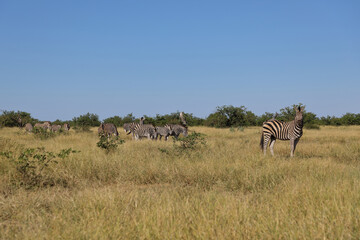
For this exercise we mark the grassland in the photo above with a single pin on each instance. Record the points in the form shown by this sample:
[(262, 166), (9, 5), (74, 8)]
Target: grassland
[(224, 190)]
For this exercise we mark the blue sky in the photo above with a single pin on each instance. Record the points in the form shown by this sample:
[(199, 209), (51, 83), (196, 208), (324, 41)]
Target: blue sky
[(60, 59)]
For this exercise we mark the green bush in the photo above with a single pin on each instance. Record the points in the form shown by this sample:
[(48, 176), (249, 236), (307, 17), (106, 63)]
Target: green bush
[(190, 142), (109, 144), (34, 166), (10, 119), (230, 116), (42, 134), (84, 122)]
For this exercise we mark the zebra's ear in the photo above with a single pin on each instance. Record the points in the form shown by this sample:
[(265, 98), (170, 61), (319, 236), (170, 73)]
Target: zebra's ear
[(302, 108)]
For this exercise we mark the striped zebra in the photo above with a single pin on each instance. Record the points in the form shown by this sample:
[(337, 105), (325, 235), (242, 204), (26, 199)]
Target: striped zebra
[(55, 128), (28, 127), (66, 126), (274, 129), (144, 130), (108, 129), (177, 129), (130, 127), (163, 131)]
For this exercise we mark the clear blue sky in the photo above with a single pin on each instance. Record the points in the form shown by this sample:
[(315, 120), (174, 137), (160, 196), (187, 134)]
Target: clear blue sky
[(60, 59)]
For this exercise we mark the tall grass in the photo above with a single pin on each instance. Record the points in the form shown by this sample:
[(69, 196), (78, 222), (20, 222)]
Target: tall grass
[(224, 190)]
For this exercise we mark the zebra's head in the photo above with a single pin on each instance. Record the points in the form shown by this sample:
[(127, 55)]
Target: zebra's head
[(299, 114), (171, 131)]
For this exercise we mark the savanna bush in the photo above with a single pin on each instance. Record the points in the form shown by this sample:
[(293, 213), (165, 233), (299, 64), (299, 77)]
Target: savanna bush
[(33, 167), (42, 133), (109, 144), (10, 118), (84, 122)]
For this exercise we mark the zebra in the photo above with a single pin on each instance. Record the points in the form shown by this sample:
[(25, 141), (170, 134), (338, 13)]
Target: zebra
[(274, 129), (45, 125), (144, 130), (165, 131), (130, 127), (55, 128), (108, 129), (177, 129), (28, 127), (66, 126)]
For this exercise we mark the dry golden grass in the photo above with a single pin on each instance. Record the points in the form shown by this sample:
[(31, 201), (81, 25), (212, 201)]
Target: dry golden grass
[(226, 190)]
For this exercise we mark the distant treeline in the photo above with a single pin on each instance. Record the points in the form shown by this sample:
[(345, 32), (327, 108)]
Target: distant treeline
[(223, 117)]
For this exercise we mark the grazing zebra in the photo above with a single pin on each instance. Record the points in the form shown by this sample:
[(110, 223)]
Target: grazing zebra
[(177, 129), (163, 131), (144, 130), (66, 126), (108, 129), (55, 128), (274, 129), (130, 127), (45, 125), (28, 127)]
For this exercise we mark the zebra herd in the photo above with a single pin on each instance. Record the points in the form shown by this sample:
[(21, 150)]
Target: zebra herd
[(271, 130), (141, 130), (47, 125)]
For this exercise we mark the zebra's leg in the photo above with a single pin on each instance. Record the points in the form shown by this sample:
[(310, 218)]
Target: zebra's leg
[(166, 137), (293, 146), (161, 137), (266, 140), (272, 143)]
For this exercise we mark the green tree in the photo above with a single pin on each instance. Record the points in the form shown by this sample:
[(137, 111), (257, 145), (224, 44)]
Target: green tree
[(10, 118), (230, 116), (84, 122)]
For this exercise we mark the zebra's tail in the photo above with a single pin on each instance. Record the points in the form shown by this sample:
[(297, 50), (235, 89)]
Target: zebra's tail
[(262, 141)]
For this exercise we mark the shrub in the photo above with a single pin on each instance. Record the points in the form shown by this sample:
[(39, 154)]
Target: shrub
[(230, 116), (42, 133), (84, 122), (109, 144), (10, 118), (33, 166), (191, 142)]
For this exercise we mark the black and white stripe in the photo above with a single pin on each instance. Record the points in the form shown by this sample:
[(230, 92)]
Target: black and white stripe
[(130, 127), (144, 130), (274, 129), (177, 129), (163, 132)]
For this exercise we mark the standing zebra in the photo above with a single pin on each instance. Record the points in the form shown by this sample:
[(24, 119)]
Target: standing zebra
[(130, 127), (163, 131), (176, 129), (108, 129), (144, 130), (274, 129)]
